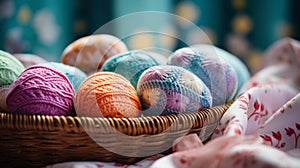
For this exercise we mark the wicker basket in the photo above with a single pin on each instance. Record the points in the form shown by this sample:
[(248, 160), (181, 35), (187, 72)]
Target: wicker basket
[(35, 140)]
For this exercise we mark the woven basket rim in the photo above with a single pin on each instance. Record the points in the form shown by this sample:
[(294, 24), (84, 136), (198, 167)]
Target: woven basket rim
[(42, 140), (131, 126)]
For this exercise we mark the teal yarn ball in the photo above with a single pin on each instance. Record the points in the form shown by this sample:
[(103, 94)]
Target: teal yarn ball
[(10, 69), (167, 89), (130, 64), (75, 75), (218, 76)]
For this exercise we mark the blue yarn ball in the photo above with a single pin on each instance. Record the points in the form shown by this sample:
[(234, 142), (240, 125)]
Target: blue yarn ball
[(219, 76), (75, 75), (241, 69), (167, 89), (130, 64)]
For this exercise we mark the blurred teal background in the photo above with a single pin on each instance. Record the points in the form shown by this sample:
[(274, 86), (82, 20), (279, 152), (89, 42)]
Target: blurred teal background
[(243, 27)]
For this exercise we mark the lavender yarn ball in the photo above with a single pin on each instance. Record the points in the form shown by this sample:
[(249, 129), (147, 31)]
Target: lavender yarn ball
[(10, 69), (169, 89), (41, 90), (241, 69), (29, 59), (130, 64), (75, 75), (218, 75)]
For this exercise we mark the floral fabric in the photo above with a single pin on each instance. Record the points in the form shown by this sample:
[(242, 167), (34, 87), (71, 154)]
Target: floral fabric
[(262, 127)]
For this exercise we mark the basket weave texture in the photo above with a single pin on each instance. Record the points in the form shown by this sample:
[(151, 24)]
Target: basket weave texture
[(37, 140)]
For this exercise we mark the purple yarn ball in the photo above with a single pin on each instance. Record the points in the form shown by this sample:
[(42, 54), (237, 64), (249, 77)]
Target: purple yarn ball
[(41, 90)]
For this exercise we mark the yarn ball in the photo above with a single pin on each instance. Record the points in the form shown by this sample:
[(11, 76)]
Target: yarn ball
[(41, 90), (107, 94), (217, 75), (130, 64), (10, 69), (167, 89), (29, 59), (90, 52), (241, 69), (75, 75)]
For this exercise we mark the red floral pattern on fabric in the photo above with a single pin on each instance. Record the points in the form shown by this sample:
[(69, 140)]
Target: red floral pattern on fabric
[(292, 133)]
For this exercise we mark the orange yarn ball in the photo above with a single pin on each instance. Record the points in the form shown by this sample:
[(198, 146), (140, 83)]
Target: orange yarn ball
[(107, 94)]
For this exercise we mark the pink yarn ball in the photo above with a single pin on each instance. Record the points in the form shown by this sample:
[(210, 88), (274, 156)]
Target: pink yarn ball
[(41, 90)]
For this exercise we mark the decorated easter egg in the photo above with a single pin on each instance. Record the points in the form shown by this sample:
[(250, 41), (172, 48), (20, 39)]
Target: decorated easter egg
[(217, 75), (241, 69), (130, 64), (41, 90), (90, 52), (167, 89), (10, 69), (107, 94), (75, 75), (29, 59)]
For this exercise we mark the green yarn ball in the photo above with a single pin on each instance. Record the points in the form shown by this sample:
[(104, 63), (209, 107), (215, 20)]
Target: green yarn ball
[(10, 69)]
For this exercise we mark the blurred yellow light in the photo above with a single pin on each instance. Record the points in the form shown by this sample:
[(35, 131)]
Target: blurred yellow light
[(238, 4), (24, 14), (242, 24)]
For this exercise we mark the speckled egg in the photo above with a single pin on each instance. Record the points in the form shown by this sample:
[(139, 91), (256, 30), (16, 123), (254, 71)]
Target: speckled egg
[(29, 59), (90, 52), (218, 75), (241, 69), (41, 90), (130, 64), (75, 75), (10, 69), (167, 89), (107, 94)]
